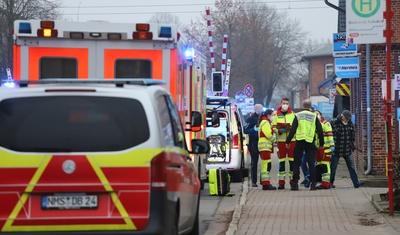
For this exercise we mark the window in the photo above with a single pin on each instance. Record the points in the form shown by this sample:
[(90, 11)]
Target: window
[(72, 124), (128, 68), (328, 70), (179, 134), (52, 67), (165, 121)]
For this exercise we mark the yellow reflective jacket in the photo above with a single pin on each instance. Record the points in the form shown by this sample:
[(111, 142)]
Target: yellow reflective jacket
[(265, 136), (282, 123), (306, 126)]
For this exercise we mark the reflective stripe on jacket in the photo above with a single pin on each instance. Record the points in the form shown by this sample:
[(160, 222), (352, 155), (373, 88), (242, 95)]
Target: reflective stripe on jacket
[(265, 136)]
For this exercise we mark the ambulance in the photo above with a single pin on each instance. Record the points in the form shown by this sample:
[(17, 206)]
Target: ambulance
[(228, 143), (105, 50)]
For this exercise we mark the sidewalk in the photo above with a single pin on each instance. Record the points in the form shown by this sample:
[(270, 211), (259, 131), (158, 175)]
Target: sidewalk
[(343, 210)]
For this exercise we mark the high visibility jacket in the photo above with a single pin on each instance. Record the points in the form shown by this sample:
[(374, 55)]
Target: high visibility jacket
[(328, 135), (283, 122), (306, 126), (265, 136)]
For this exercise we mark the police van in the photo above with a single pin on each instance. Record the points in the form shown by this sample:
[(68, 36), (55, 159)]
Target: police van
[(224, 132)]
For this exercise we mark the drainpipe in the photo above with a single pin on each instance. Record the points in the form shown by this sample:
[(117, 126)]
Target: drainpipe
[(368, 74)]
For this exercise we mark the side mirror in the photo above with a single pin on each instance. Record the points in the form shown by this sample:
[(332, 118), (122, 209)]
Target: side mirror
[(214, 120), (200, 146), (196, 124)]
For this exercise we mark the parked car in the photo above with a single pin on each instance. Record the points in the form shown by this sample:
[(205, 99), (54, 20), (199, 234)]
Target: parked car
[(228, 149), (82, 157)]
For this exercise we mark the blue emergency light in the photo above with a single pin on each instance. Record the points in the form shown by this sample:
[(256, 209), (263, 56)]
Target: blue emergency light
[(25, 27), (165, 32)]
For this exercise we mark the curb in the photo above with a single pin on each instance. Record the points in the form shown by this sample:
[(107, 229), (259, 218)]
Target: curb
[(233, 225)]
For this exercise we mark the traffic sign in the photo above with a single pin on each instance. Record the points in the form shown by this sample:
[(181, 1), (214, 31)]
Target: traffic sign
[(341, 48), (364, 21), (332, 94), (347, 67), (240, 97), (248, 90)]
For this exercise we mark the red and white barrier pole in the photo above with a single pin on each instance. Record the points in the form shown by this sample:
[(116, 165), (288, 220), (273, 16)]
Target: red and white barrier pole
[(224, 46), (210, 41)]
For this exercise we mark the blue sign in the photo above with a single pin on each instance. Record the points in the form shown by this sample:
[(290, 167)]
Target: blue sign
[(347, 67), (326, 109), (341, 48)]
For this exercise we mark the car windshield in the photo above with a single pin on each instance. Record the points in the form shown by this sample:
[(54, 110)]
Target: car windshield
[(72, 124)]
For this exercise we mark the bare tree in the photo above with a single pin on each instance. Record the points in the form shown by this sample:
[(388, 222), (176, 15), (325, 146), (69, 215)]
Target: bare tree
[(264, 45), (168, 18), (11, 10)]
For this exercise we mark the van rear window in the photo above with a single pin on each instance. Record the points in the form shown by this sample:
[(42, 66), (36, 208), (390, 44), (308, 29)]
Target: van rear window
[(72, 124), (58, 68), (132, 68)]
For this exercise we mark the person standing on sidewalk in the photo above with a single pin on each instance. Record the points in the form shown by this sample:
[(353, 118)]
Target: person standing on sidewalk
[(323, 157), (251, 129), (265, 146), (305, 126), (282, 122), (343, 135)]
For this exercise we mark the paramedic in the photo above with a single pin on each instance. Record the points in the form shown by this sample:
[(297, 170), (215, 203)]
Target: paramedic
[(306, 126), (282, 122), (265, 146)]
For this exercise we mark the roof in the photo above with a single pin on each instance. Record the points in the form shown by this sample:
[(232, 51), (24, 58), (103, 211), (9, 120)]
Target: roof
[(321, 52)]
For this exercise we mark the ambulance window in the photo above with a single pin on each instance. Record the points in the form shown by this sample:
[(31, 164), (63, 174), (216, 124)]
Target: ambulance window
[(52, 67), (72, 124), (179, 135), (132, 68)]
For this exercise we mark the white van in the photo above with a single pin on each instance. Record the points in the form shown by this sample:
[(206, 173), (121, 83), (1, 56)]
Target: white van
[(224, 131)]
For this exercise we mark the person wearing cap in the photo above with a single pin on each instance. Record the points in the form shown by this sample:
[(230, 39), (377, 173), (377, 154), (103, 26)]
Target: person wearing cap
[(266, 140), (307, 127), (282, 122), (251, 129), (343, 135)]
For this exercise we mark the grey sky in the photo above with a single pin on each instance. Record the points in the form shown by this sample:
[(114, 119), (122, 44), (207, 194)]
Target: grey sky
[(314, 16)]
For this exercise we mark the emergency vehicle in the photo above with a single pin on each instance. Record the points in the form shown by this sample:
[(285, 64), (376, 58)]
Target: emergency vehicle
[(228, 149), (96, 157), (84, 50)]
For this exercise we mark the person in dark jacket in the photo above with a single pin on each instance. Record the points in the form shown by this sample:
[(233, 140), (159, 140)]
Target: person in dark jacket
[(251, 129), (343, 135)]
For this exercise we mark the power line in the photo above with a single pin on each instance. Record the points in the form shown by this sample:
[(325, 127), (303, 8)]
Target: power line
[(181, 12), (184, 5)]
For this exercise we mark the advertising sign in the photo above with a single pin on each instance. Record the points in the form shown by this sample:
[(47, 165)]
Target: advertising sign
[(347, 67), (341, 48), (364, 21)]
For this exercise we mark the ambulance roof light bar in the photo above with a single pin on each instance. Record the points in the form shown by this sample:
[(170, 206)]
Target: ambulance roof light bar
[(117, 81)]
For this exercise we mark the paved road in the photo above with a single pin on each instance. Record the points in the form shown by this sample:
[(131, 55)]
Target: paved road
[(216, 212)]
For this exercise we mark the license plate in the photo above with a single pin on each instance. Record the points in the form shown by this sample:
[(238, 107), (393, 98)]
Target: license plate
[(69, 201)]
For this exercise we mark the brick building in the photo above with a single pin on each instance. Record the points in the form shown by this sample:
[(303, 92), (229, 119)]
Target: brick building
[(320, 67), (378, 108), (369, 158)]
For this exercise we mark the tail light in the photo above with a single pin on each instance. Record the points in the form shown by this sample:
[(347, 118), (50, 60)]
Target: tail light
[(158, 173), (235, 141)]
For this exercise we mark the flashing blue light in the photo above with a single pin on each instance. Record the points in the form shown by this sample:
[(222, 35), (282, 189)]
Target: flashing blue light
[(25, 27), (189, 53), (9, 84), (165, 32)]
